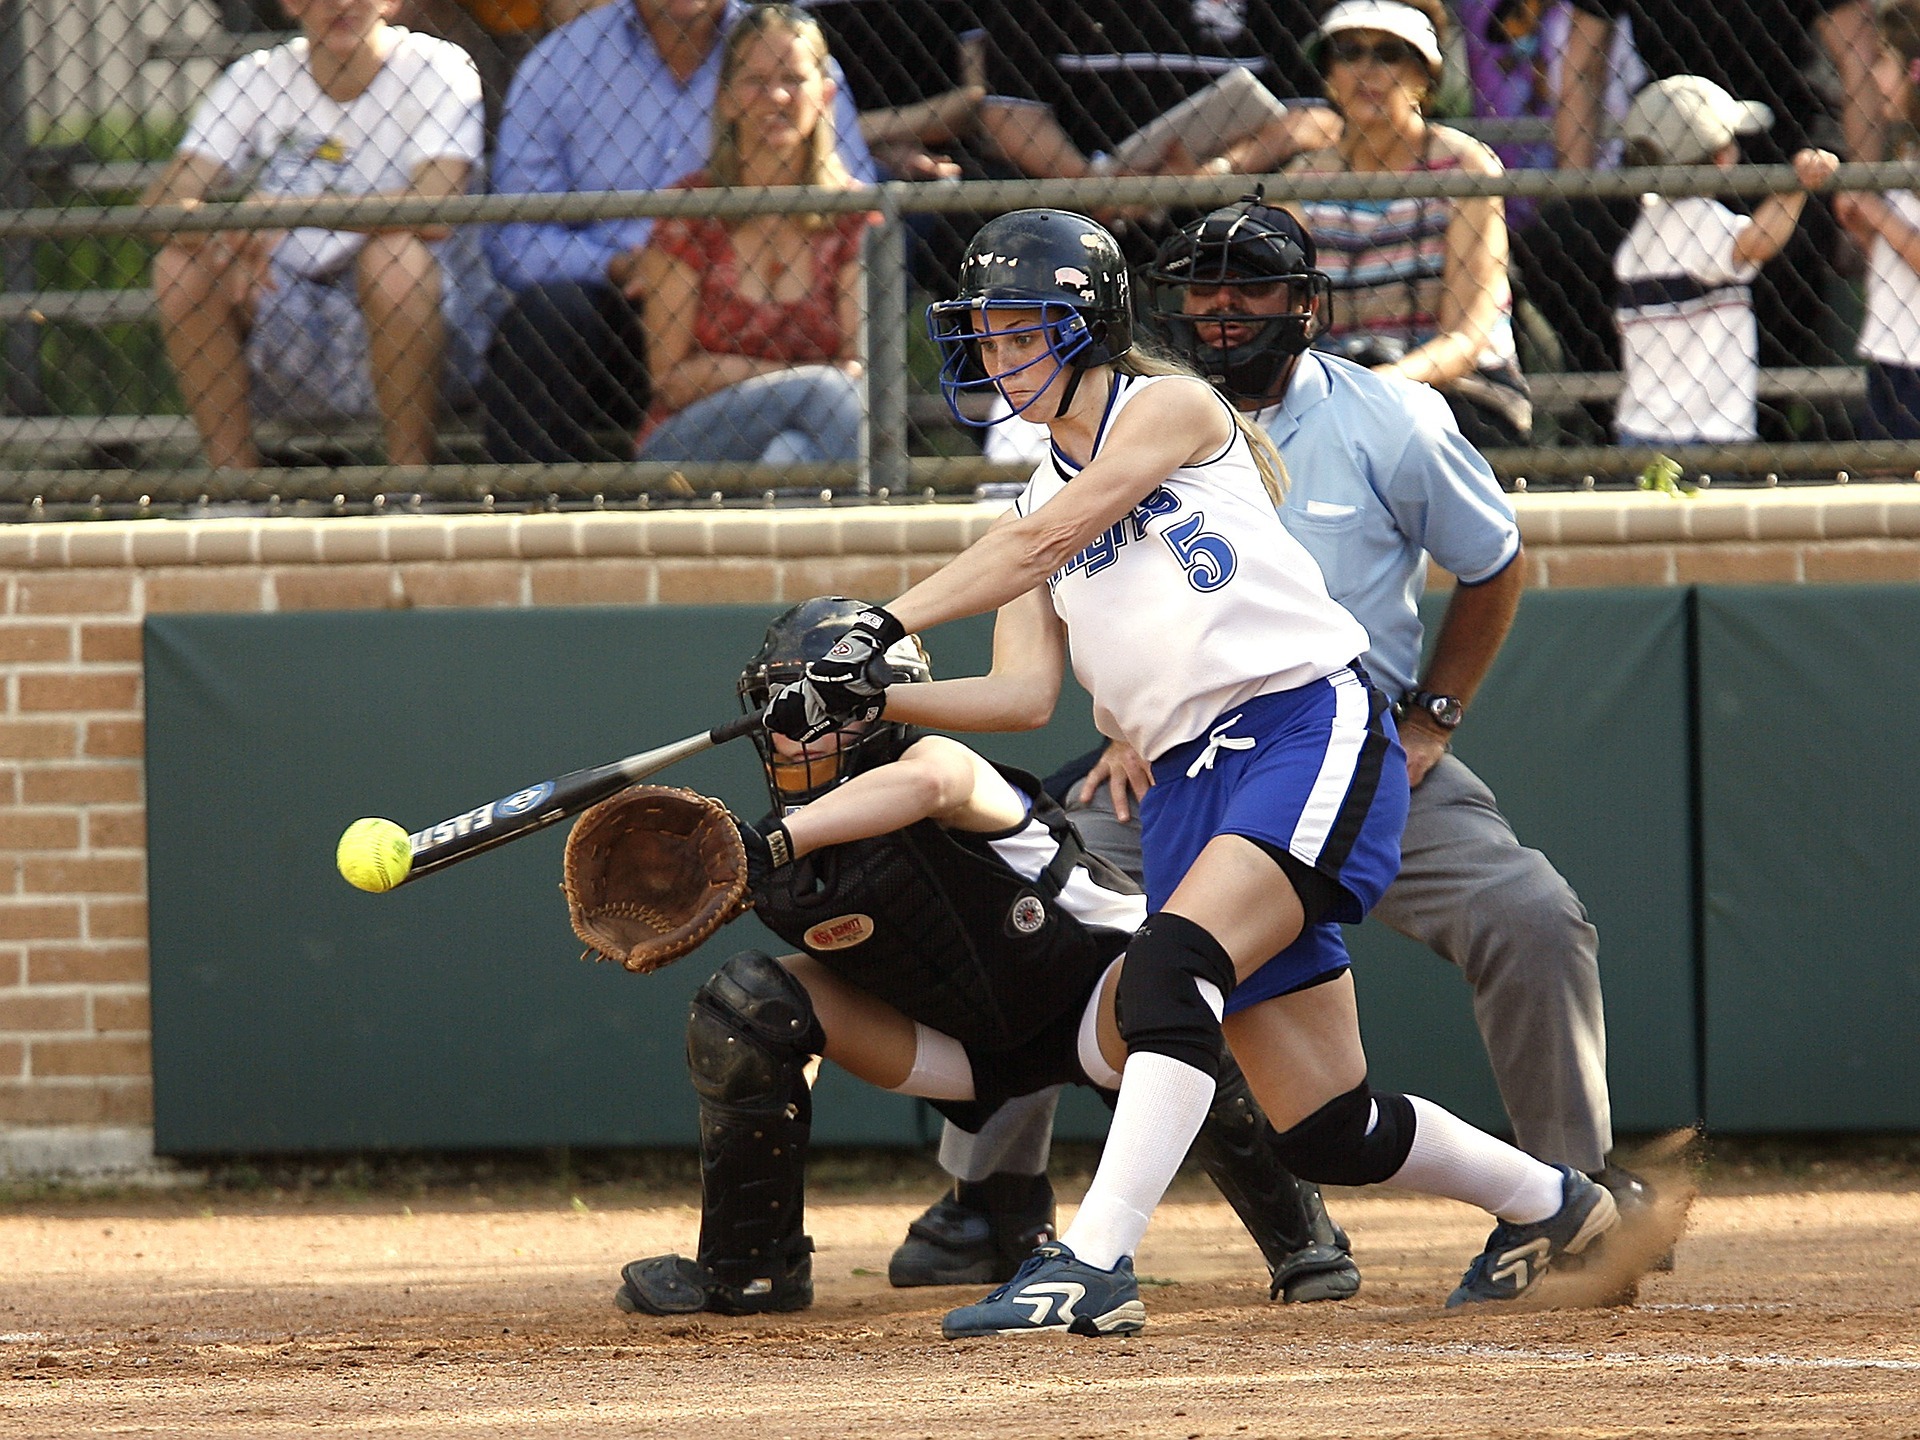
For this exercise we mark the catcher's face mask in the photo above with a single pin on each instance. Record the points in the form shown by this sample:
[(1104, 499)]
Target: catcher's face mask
[(803, 771), (798, 773)]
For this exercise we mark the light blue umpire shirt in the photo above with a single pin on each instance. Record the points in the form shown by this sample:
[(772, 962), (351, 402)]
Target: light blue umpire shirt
[(594, 107), (1381, 478)]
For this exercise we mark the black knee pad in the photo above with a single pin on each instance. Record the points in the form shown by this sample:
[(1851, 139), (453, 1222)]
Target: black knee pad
[(1159, 1008), (750, 1032), (1333, 1147)]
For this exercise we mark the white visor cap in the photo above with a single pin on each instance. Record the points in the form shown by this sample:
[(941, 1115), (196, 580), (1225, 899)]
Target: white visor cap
[(1389, 17)]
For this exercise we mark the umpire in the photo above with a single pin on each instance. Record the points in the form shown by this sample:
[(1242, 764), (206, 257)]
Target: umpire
[(1381, 478)]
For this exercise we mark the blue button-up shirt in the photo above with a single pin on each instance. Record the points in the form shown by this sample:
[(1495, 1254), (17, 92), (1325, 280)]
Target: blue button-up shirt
[(1382, 478), (594, 107)]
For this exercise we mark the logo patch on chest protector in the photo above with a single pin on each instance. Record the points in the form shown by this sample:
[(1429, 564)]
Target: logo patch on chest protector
[(1028, 915), (841, 934)]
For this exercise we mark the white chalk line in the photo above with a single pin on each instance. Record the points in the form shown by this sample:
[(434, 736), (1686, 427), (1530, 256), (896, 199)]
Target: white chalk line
[(1721, 1359)]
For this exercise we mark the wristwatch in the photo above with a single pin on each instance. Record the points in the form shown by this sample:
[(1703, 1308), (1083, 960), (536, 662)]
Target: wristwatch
[(1443, 710)]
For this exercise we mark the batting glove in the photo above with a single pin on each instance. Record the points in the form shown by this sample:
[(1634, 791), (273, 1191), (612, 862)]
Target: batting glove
[(845, 685)]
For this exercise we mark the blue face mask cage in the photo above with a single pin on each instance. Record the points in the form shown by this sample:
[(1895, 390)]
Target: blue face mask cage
[(950, 325)]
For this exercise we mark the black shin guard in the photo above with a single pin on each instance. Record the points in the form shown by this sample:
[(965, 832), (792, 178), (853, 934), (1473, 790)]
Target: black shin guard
[(750, 1033), (1306, 1253), (1359, 1138), (1159, 1007)]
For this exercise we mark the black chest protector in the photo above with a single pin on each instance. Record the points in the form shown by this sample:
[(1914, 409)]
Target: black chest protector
[(936, 924)]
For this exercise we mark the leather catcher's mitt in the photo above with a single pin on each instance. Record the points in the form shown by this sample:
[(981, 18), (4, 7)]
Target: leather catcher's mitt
[(651, 873)]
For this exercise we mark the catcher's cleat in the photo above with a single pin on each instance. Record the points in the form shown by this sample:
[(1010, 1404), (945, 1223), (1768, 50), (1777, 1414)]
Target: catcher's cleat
[(978, 1234), (1317, 1272), (1053, 1293), (675, 1285), (1518, 1255)]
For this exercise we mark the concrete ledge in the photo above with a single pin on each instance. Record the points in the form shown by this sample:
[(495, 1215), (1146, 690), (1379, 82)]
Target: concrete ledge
[(88, 1155), (1796, 515)]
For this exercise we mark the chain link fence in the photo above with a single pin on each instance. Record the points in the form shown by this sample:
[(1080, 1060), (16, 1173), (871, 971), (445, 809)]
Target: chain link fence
[(302, 257)]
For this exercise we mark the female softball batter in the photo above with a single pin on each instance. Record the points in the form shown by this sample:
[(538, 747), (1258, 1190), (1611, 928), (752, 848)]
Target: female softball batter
[(1147, 546)]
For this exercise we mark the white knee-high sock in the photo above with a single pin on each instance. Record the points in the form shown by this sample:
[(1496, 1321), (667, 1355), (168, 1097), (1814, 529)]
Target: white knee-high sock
[(1162, 1102), (1451, 1158), (941, 1069)]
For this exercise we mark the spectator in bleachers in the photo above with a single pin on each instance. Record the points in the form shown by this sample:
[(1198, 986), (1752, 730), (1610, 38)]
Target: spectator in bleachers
[(327, 322), (1073, 89), (753, 325), (966, 89), (619, 99), (1887, 228), (1686, 270), (1514, 50), (1806, 60), (1420, 286)]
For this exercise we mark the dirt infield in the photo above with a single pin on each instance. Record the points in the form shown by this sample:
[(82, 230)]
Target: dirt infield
[(1791, 1309)]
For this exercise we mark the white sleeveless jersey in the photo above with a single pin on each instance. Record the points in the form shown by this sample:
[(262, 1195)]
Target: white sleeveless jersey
[(1195, 602)]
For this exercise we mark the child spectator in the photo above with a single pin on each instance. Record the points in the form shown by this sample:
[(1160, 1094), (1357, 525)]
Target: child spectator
[(328, 322), (1887, 227), (1689, 350)]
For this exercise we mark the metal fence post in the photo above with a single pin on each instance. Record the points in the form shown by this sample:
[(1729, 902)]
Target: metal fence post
[(885, 305), (20, 355)]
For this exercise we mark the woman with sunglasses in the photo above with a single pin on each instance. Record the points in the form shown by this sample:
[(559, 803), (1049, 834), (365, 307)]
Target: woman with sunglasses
[(1419, 284)]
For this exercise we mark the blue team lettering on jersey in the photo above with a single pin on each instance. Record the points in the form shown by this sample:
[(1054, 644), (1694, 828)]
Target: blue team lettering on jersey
[(1208, 559), (1105, 547)]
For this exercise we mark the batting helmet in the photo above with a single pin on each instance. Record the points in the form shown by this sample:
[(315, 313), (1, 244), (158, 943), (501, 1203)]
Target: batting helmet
[(797, 774), (1063, 265), (1244, 250)]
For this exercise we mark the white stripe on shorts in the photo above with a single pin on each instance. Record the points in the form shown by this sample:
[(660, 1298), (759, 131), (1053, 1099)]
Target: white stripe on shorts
[(1330, 786)]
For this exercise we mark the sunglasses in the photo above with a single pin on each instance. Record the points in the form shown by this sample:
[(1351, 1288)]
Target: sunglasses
[(1345, 50)]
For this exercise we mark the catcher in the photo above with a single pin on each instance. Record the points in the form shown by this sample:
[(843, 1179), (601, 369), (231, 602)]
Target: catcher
[(954, 942)]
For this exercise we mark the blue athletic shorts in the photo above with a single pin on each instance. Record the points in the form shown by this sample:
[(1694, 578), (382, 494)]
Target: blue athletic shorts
[(1316, 771)]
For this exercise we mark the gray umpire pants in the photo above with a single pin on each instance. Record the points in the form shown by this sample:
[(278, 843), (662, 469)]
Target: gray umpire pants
[(1473, 894)]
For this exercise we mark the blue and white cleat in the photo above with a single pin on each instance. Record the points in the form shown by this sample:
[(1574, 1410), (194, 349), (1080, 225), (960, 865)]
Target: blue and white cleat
[(1518, 1255), (1055, 1293)]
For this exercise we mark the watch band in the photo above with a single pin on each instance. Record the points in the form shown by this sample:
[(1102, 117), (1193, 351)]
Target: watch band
[(1443, 710)]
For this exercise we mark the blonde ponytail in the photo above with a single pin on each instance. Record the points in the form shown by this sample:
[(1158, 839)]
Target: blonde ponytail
[(1146, 360)]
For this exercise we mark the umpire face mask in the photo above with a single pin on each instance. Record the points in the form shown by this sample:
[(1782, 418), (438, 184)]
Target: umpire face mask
[(1240, 297), (1244, 333)]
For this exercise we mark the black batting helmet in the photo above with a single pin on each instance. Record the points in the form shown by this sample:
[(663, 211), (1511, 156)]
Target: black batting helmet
[(804, 633), (1243, 249), (1064, 265)]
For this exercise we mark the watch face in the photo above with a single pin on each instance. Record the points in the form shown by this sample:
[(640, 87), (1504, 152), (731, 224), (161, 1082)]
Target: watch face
[(1445, 710)]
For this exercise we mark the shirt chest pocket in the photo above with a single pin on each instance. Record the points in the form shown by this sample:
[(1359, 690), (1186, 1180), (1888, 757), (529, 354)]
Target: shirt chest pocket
[(1329, 517)]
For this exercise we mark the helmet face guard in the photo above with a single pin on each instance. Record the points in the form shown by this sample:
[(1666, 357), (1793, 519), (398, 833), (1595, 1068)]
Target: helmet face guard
[(1251, 254), (1064, 266), (956, 325), (796, 773)]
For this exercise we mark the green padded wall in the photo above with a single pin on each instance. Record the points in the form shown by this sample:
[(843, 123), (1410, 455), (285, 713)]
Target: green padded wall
[(1581, 733), (1811, 803), (292, 1012)]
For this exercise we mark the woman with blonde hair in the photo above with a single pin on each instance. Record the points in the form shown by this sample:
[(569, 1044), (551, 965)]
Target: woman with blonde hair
[(753, 324)]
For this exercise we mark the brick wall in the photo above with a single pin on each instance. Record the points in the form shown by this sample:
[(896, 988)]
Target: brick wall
[(74, 1056)]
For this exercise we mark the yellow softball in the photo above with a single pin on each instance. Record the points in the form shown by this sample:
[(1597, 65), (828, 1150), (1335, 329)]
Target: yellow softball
[(374, 854)]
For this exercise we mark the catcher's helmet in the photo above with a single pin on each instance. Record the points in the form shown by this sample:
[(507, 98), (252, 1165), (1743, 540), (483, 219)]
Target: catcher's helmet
[(1241, 250), (1063, 265), (798, 774)]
